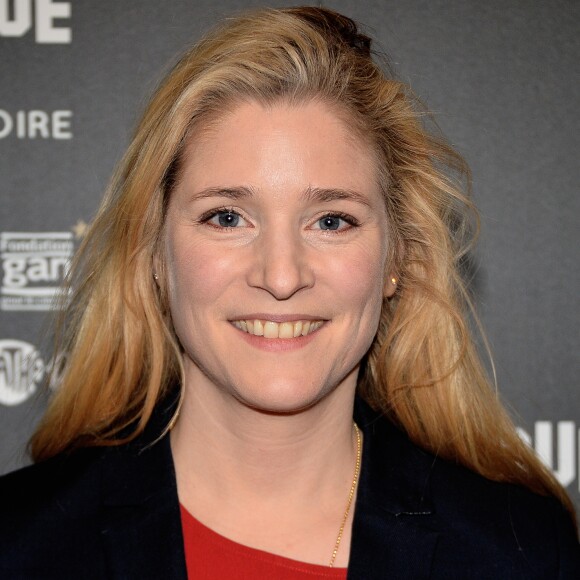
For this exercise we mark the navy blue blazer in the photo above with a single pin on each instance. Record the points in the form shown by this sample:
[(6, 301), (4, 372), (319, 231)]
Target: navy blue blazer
[(114, 513)]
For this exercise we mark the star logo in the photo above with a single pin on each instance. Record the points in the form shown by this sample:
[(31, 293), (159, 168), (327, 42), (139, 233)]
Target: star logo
[(80, 229)]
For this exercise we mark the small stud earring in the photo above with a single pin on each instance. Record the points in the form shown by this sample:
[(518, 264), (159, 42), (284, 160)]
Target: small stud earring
[(393, 281), (155, 276)]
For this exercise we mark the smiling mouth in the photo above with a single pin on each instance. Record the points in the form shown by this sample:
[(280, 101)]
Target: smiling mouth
[(269, 329)]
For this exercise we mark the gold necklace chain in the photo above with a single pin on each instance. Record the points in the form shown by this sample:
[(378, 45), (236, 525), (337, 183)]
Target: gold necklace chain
[(350, 495)]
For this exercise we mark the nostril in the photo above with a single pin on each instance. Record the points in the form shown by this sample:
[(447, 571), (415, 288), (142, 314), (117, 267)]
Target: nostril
[(282, 269)]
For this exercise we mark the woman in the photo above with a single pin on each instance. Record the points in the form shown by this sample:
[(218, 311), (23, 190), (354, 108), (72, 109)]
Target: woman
[(277, 254)]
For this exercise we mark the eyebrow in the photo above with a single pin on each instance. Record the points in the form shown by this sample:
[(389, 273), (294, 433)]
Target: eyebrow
[(229, 192), (334, 194)]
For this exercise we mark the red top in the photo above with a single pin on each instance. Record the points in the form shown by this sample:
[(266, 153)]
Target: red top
[(210, 556)]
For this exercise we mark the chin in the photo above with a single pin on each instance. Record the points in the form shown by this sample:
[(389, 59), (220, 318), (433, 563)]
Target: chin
[(282, 400)]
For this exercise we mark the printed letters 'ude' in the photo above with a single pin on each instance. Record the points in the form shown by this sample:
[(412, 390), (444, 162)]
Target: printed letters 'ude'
[(16, 20)]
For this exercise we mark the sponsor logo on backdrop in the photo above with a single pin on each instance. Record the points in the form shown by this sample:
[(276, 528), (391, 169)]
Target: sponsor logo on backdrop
[(21, 371), (36, 124), (558, 446), (34, 265), (48, 18)]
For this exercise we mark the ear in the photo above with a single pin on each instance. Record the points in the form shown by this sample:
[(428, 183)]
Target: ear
[(391, 267), (390, 286), (156, 268)]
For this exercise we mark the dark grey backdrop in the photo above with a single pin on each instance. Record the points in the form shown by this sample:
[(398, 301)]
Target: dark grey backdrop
[(501, 76)]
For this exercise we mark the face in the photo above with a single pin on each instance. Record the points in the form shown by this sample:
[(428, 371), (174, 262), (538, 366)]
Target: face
[(275, 255)]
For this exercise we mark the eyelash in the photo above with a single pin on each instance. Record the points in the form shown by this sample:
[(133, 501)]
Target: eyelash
[(209, 215), (350, 220)]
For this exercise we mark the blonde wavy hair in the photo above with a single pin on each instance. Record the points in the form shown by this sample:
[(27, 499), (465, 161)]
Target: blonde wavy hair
[(118, 353)]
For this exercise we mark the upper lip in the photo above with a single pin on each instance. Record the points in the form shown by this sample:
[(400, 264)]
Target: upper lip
[(277, 317)]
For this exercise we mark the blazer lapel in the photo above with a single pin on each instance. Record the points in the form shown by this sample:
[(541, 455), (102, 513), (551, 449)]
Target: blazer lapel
[(394, 533), (140, 518)]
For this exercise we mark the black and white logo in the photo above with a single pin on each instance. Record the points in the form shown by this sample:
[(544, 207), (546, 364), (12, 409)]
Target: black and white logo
[(33, 265), (21, 371)]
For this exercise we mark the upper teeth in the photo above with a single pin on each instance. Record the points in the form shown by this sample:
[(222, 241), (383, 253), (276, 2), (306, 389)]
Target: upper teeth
[(269, 329)]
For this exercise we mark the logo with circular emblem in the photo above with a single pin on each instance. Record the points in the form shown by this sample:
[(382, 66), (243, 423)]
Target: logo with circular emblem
[(21, 371)]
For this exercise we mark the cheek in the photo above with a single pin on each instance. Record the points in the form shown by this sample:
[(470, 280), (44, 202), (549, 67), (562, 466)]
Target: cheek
[(197, 274), (358, 279)]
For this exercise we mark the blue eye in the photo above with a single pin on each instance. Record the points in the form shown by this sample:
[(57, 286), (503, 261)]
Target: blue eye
[(329, 222), (336, 222), (225, 219)]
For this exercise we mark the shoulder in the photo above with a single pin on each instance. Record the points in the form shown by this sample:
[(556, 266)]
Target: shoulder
[(96, 513), (508, 524), (70, 483), (101, 505), (483, 528), (48, 512), (34, 483), (47, 485)]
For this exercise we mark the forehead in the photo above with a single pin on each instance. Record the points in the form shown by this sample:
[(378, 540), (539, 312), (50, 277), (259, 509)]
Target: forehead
[(279, 148)]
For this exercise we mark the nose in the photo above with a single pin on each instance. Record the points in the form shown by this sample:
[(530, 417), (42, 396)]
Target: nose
[(281, 264)]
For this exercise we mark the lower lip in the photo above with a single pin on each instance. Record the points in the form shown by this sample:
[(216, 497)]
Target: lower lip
[(278, 344)]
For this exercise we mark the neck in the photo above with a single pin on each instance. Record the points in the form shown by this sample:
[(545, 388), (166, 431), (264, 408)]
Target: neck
[(234, 446), (240, 470)]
